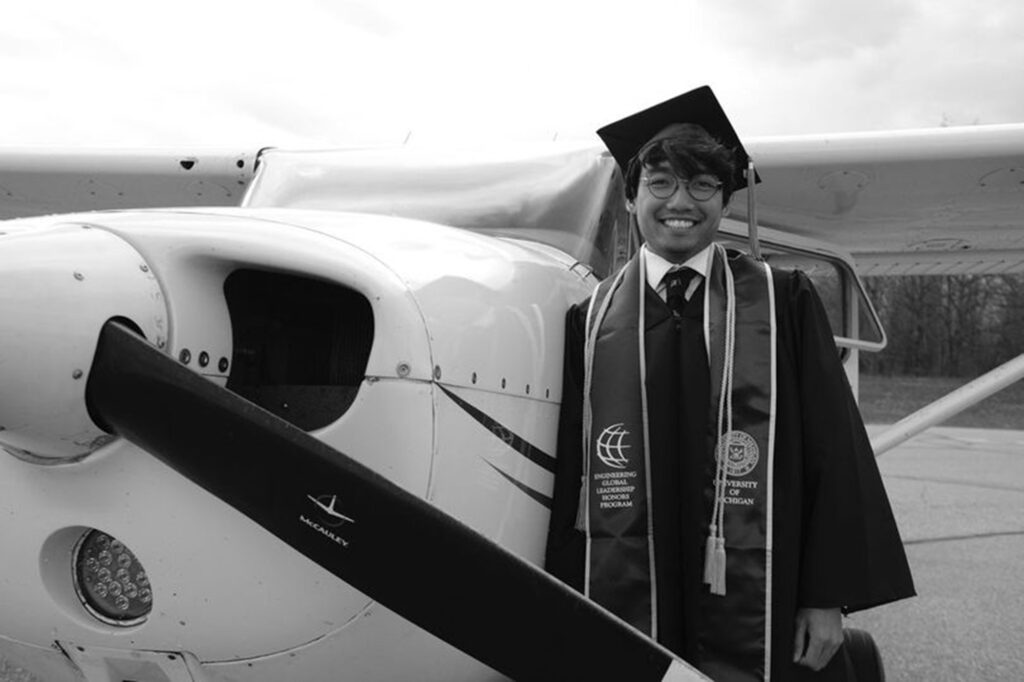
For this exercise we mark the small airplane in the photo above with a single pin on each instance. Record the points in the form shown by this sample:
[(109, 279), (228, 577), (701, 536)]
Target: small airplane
[(190, 397)]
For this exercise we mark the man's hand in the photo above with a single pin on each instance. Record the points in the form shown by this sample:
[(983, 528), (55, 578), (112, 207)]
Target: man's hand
[(819, 634)]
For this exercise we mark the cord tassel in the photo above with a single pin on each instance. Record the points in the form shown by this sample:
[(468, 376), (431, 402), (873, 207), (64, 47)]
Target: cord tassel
[(718, 566), (709, 557), (581, 508), (715, 564)]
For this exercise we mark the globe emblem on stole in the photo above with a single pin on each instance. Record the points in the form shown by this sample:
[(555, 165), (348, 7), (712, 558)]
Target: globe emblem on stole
[(611, 448), (742, 455)]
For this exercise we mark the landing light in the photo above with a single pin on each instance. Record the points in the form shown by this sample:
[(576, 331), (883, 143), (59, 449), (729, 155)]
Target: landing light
[(110, 580)]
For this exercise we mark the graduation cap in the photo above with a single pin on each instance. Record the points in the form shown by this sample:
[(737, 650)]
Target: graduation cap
[(625, 137)]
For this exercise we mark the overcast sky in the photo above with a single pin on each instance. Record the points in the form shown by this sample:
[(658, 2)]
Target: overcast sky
[(322, 73)]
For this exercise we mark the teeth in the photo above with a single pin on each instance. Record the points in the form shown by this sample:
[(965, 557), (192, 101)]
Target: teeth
[(679, 223)]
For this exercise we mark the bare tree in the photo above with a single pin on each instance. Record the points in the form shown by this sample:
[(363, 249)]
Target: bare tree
[(958, 325)]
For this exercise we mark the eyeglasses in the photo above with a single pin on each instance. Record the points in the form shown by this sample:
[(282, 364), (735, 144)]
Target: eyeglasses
[(664, 185)]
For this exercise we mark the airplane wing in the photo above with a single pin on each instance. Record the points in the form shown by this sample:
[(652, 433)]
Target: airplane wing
[(45, 181), (938, 201)]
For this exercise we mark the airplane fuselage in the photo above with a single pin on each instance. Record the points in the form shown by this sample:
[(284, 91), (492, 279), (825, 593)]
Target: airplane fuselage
[(429, 354)]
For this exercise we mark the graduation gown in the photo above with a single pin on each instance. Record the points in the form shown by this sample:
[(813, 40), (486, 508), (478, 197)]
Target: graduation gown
[(835, 540)]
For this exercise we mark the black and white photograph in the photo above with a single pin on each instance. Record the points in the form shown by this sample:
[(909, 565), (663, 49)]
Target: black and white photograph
[(385, 341)]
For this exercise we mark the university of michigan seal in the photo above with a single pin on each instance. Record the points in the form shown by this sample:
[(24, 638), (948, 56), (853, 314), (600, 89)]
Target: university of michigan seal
[(742, 455)]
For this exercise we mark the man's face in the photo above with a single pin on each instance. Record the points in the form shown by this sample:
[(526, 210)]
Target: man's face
[(679, 226)]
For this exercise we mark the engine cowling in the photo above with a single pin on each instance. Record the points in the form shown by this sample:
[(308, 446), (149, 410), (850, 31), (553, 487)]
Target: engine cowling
[(58, 287)]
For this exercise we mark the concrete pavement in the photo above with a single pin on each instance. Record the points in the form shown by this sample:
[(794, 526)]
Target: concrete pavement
[(958, 496)]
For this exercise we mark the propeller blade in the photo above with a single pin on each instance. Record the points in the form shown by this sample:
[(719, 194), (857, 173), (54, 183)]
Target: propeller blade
[(395, 547)]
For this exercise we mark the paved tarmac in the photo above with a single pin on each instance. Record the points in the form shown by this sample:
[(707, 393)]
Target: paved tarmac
[(958, 496)]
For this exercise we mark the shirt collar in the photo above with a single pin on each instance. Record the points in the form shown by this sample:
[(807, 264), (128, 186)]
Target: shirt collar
[(657, 266)]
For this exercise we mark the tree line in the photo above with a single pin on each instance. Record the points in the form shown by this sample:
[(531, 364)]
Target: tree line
[(953, 326)]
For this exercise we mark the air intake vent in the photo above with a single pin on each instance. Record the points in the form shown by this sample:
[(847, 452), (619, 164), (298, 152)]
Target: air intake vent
[(300, 345)]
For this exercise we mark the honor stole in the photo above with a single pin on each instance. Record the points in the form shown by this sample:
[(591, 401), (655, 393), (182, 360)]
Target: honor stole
[(615, 498)]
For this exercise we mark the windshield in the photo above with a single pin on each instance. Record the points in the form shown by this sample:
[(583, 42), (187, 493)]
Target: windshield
[(563, 196)]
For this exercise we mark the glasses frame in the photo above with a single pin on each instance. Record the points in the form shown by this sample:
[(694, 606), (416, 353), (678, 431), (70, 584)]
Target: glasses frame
[(676, 182)]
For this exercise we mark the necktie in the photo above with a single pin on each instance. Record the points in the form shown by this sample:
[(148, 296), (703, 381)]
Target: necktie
[(676, 284)]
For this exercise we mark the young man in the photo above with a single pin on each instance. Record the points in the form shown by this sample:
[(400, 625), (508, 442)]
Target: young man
[(741, 563)]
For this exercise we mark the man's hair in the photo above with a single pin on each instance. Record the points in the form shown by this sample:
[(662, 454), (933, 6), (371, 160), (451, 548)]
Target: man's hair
[(689, 150)]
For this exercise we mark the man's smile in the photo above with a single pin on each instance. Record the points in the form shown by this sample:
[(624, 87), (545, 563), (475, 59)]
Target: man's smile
[(678, 223)]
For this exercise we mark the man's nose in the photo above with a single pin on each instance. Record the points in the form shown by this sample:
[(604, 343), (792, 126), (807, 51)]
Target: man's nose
[(681, 197)]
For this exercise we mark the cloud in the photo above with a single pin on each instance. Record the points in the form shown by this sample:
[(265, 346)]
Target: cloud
[(872, 64), (794, 31), (321, 73), (361, 15)]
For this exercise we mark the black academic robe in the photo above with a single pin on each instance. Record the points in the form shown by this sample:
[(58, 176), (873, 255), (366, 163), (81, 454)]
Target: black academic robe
[(835, 540)]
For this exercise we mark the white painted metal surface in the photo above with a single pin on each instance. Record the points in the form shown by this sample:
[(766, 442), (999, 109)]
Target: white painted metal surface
[(43, 181), (479, 317), (57, 288), (939, 201)]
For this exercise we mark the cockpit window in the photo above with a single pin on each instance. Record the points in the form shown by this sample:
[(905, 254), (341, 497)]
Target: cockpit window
[(854, 321)]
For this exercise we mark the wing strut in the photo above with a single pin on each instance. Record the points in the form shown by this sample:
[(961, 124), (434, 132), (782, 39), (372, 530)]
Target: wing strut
[(398, 549), (949, 405)]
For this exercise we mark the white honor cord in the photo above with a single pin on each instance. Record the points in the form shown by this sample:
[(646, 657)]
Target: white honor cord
[(715, 557), (642, 352)]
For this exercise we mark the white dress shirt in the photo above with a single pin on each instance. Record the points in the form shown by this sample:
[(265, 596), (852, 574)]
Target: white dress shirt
[(658, 267)]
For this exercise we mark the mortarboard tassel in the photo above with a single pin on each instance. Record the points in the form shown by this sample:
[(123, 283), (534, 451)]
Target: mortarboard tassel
[(755, 244)]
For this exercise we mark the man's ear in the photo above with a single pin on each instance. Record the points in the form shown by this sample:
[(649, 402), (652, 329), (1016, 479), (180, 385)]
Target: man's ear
[(727, 208), (630, 206)]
